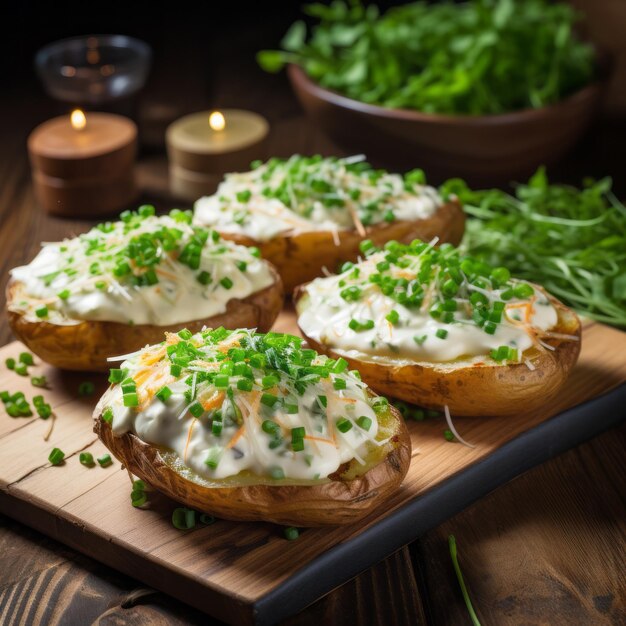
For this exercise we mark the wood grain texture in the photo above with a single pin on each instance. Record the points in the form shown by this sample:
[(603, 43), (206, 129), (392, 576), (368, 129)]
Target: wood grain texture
[(90, 509), (525, 551)]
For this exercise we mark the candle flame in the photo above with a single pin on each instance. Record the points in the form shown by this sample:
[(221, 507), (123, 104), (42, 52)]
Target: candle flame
[(78, 119), (217, 121)]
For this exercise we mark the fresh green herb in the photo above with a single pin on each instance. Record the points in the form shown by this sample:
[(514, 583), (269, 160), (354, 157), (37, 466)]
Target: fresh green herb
[(56, 456), (291, 533), (107, 415), (183, 518), (38, 381), (571, 241), (42, 311), (474, 57), (448, 435), (86, 459), (105, 460), (364, 422), (26, 358), (459, 576), (86, 388), (10, 363)]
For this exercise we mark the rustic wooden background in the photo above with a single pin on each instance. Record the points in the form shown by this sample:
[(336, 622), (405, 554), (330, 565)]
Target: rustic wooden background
[(548, 548)]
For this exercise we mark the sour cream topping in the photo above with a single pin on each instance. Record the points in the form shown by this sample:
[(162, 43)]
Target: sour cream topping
[(229, 413), (304, 194), (365, 317), (145, 270)]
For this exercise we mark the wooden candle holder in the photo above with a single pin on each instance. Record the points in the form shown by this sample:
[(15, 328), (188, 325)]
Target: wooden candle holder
[(84, 173), (199, 157)]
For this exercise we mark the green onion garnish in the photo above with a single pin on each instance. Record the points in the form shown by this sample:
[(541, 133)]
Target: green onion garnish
[(105, 460), (86, 459), (56, 456), (183, 518)]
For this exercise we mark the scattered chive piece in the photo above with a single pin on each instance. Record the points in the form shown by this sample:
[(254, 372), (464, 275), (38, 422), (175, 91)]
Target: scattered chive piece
[(12, 410), (442, 333), (213, 458), (42, 311), (105, 460), (269, 399), (276, 473), (206, 519), (254, 251), (86, 388), (107, 415), (185, 334), (204, 278), (5, 396), (163, 394), (392, 317), (56, 456), (291, 533), (448, 435), (38, 381), (420, 340), (183, 518), (364, 422), (21, 369), (44, 411), (339, 383), (244, 196), (226, 282), (86, 459), (343, 425), (245, 384), (196, 409), (138, 498), (270, 427), (459, 576), (117, 375), (26, 358), (10, 363), (221, 381), (130, 399), (63, 295)]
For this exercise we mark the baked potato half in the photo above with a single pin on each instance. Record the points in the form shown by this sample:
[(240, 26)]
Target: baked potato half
[(307, 214), (78, 320), (301, 441), (487, 345)]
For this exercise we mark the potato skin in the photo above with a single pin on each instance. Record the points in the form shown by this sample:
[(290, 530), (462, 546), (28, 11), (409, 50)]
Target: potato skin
[(87, 345), (331, 503), (300, 258), (475, 387)]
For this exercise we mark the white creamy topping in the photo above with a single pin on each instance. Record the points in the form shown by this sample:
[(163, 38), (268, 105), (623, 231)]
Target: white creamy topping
[(305, 194), (81, 270), (243, 445), (325, 317)]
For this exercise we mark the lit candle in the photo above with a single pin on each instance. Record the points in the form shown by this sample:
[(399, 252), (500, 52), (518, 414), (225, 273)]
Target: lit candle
[(203, 146), (83, 165)]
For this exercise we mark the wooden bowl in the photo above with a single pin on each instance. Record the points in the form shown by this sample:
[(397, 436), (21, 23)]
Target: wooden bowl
[(483, 149)]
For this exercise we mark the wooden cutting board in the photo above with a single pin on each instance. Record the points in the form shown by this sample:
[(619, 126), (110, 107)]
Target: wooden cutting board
[(247, 572)]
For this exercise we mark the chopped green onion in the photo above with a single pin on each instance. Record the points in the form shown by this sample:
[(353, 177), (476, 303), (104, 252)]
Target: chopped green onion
[(38, 381), (291, 533), (343, 425), (442, 333), (183, 518), (105, 460), (226, 282), (26, 358), (56, 456), (86, 388), (10, 363), (163, 394), (86, 459), (364, 422), (107, 415), (42, 311)]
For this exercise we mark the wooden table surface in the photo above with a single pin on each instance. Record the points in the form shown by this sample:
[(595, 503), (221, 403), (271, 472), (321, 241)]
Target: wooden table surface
[(547, 548)]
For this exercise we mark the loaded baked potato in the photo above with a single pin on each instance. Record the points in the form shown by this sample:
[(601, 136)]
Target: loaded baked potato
[(247, 426), (431, 327), (122, 284), (310, 213)]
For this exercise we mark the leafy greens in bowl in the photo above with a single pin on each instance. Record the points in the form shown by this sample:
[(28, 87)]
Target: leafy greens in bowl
[(481, 57)]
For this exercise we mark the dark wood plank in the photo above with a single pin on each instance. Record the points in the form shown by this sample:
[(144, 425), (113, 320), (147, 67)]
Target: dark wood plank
[(549, 548)]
